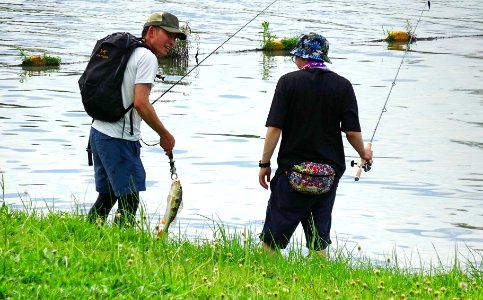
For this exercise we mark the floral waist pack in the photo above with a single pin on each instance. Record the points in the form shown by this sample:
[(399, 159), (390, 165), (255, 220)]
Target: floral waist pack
[(311, 178)]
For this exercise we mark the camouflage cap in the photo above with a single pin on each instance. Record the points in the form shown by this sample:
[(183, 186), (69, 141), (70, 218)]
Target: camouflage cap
[(166, 21), (312, 46)]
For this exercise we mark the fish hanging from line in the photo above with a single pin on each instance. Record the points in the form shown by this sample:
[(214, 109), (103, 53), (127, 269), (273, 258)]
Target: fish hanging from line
[(175, 203)]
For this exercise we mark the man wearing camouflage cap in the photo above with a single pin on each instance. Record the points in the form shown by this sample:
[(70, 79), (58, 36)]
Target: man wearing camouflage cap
[(119, 172), (311, 106)]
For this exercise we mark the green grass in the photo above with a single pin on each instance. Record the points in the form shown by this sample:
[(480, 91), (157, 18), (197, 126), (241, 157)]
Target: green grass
[(59, 255)]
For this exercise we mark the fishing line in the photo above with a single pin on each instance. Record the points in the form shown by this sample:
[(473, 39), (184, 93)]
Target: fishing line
[(363, 164), (198, 64), (384, 109), (216, 49)]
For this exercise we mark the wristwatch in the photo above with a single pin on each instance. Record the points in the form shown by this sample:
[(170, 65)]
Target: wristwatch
[(263, 165)]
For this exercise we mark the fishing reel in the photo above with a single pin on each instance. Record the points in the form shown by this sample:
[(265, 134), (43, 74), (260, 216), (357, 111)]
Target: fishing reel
[(366, 166)]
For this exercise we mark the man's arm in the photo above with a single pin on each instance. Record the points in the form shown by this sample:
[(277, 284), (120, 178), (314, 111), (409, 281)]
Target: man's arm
[(355, 139), (271, 141), (146, 110)]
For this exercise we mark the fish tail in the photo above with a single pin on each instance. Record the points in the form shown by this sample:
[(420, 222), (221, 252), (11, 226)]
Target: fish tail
[(160, 234)]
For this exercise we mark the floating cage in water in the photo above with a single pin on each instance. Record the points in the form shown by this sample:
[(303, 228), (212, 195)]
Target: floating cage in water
[(176, 62), (181, 49)]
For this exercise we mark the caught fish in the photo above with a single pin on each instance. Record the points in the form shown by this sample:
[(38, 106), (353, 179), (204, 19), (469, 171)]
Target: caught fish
[(175, 199)]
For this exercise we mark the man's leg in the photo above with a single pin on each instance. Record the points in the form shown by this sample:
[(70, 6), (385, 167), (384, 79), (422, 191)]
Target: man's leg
[(102, 207), (127, 207), (269, 250), (317, 224)]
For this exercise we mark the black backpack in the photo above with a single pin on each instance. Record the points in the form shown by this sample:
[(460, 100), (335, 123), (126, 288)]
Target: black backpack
[(100, 84)]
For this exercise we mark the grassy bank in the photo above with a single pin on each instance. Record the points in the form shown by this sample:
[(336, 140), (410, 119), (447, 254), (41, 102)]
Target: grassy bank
[(60, 255)]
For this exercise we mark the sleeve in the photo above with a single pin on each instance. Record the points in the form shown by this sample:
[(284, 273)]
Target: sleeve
[(147, 67), (278, 109), (350, 114)]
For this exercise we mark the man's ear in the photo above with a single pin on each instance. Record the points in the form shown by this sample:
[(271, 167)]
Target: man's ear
[(151, 31)]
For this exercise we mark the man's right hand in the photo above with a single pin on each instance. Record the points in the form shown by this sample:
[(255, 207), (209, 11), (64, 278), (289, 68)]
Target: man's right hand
[(368, 153), (167, 143)]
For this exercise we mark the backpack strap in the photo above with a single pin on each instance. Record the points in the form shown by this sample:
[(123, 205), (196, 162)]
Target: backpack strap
[(130, 121), (89, 153), (131, 107)]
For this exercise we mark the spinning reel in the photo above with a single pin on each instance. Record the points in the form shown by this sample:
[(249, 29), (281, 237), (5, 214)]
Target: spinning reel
[(363, 165)]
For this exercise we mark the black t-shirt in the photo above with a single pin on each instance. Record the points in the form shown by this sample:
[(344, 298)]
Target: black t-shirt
[(312, 107)]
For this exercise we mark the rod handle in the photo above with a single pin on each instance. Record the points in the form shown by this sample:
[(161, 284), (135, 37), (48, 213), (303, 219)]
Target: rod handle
[(361, 165)]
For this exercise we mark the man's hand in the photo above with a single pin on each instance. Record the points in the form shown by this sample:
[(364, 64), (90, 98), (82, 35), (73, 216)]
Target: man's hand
[(368, 153), (167, 143), (264, 177)]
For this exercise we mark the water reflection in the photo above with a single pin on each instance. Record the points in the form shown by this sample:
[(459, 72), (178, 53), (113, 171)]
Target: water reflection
[(174, 66), (28, 72), (415, 188), (398, 46), (467, 226), (268, 63), (469, 143), (234, 135), (454, 234)]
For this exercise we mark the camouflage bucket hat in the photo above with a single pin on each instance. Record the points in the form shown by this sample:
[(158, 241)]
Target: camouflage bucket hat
[(166, 21), (312, 46)]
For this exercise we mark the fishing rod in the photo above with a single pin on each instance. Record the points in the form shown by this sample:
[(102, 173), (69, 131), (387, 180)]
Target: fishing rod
[(366, 165), (199, 63), (216, 49)]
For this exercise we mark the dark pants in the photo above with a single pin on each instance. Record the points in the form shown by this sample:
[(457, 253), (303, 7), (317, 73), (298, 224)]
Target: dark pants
[(287, 208), (126, 211)]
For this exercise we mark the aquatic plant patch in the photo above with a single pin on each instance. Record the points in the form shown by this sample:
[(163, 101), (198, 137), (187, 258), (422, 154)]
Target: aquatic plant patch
[(39, 60)]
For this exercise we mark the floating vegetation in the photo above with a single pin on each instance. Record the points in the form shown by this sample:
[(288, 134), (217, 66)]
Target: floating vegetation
[(39, 60), (283, 44), (271, 43), (400, 36)]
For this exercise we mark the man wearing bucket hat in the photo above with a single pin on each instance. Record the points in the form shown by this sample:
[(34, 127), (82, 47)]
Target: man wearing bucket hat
[(119, 172), (311, 106)]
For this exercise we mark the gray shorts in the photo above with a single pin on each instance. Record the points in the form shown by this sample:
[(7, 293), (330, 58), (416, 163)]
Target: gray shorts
[(117, 164)]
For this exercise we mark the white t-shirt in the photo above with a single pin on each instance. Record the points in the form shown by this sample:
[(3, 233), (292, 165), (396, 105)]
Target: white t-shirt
[(142, 67)]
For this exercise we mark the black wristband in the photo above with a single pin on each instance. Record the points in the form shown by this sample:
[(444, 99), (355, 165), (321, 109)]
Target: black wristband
[(263, 165)]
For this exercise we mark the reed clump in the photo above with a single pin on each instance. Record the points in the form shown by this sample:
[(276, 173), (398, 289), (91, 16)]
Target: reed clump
[(271, 43), (59, 255)]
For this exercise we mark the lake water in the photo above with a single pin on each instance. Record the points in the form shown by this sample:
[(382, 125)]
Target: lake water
[(421, 202)]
